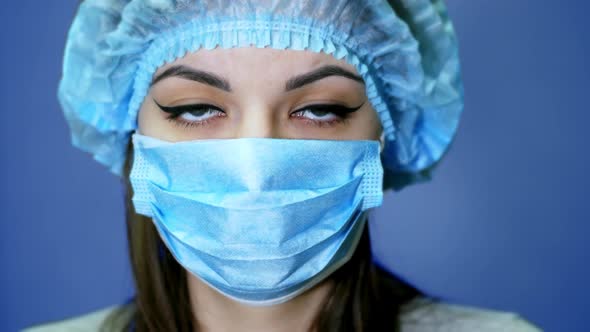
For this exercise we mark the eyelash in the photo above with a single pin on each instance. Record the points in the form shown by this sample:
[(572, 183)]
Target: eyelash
[(341, 112)]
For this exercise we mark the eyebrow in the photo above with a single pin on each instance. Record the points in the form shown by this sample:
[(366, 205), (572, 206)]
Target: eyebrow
[(194, 75), (219, 82)]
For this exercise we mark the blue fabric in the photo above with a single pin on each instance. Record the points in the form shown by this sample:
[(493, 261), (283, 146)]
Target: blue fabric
[(260, 220), (407, 57)]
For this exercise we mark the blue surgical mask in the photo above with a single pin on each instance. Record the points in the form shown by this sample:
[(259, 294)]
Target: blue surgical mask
[(260, 220)]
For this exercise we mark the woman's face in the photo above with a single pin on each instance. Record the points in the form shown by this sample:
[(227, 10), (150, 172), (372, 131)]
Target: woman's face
[(254, 92)]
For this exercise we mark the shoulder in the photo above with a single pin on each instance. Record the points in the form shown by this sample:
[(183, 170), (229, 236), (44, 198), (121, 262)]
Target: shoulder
[(424, 314), (89, 322)]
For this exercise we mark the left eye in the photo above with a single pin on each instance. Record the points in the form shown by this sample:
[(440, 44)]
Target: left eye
[(316, 115), (324, 113)]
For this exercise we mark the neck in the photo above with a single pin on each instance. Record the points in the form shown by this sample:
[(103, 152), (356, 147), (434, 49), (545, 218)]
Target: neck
[(214, 312)]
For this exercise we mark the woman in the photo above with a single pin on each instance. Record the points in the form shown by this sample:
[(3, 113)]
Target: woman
[(253, 137)]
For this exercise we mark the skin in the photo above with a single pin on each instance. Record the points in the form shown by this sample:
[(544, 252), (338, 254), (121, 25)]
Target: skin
[(256, 106)]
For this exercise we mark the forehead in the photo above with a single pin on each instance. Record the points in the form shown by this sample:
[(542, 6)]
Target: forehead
[(254, 62)]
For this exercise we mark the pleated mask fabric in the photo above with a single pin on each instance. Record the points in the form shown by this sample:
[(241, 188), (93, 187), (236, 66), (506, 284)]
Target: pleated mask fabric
[(260, 220)]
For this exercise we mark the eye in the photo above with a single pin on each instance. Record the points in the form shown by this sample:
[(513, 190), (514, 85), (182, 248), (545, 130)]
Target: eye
[(316, 115), (321, 114), (201, 113), (194, 114)]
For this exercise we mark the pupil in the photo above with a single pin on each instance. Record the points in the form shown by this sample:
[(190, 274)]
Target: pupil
[(199, 112), (319, 113)]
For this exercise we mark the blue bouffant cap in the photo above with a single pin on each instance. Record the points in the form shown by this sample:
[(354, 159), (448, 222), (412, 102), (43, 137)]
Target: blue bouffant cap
[(405, 50)]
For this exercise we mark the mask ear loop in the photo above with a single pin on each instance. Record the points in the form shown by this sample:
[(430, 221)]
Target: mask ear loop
[(382, 142)]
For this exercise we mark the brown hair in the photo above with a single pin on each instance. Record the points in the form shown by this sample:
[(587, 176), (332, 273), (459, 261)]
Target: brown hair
[(364, 296)]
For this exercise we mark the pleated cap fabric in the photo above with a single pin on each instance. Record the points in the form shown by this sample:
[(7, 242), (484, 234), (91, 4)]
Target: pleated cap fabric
[(405, 50)]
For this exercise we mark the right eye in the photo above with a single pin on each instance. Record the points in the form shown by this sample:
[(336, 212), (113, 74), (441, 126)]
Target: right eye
[(199, 114), (192, 115)]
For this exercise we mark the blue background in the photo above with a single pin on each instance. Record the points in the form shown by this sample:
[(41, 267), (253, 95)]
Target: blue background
[(503, 224)]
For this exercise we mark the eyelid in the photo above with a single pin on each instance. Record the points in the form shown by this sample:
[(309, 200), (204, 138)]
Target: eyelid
[(333, 108), (180, 109)]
